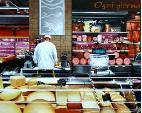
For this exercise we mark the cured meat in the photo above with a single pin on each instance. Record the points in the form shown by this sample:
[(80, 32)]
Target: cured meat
[(75, 61), (127, 61), (130, 36), (83, 61), (111, 62), (89, 38), (87, 55), (116, 55), (119, 61), (136, 36), (84, 38), (79, 38), (88, 61), (129, 26)]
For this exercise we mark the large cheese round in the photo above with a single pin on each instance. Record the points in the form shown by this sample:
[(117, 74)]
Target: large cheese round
[(9, 94), (49, 96), (9, 108), (39, 107), (107, 110)]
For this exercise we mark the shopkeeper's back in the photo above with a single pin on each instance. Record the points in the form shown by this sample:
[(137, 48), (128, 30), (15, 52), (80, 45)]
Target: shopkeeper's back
[(45, 54)]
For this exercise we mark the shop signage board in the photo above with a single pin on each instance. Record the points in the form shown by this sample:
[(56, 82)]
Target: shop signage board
[(51, 17), (106, 5)]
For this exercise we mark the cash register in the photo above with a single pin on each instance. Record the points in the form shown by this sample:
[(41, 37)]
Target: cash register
[(99, 62)]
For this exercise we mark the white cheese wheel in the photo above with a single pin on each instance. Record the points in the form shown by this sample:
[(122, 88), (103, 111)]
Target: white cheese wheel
[(49, 96), (9, 108), (9, 94)]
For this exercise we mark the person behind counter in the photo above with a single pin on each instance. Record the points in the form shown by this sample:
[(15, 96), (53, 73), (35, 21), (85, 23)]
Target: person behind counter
[(45, 54)]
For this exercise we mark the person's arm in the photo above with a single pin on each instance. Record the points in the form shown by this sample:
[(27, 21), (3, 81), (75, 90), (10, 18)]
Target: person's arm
[(55, 54), (35, 56)]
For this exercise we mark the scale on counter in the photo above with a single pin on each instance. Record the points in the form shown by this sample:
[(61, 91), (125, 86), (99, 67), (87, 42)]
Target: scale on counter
[(99, 62)]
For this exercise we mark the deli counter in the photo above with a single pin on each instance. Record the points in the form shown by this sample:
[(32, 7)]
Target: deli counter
[(67, 95)]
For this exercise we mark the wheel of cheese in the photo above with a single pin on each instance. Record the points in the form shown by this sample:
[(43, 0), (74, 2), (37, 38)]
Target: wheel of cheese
[(45, 95), (9, 94), (39, 107), (9, 108), (107, 110)]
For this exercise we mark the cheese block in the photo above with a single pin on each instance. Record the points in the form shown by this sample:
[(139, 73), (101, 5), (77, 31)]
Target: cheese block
[(42, 87), (117, 98), (61, 97), (45, 95), (88, 103), (90, 111), (10, 87), (74, 96), (17, 81), (32, 81), (74, 105), (121, 108), (9, 108), (105, 103), (20, 98), (39, 107), (9, 94), (107, 110), (1, 83)]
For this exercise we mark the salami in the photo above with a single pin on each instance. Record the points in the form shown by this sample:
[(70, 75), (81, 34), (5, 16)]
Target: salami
[(88, 61), (127, 61), (119, 61), (111, 62), (83, 61), (116, 55), (84, 38), (79, 38), (87, 55), (75, 61)]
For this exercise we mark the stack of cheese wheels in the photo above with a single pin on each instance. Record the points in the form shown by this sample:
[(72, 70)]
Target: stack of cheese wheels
[(9, 108), (45, 95), (39, 106)]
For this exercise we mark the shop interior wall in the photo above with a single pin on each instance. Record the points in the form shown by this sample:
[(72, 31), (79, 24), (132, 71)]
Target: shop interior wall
[(63, 43)]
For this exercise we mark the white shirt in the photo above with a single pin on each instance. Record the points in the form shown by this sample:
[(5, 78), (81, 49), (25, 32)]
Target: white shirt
[(45, 55)]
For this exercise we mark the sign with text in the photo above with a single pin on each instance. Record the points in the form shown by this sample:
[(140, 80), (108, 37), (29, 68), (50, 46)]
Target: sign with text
[(107, 5), (51, 17)]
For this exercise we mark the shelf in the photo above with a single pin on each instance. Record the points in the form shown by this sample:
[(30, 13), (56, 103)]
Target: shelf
[(90, 50), (81, 65), (133, 21), (119, 65), (14, 37), (82, 32), (126, 42)]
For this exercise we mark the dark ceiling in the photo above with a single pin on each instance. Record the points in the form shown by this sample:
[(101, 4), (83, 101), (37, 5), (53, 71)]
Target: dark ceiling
[(19, 3)]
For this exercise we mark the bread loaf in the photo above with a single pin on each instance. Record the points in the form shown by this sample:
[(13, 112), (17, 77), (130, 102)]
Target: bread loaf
[(9, 108), (45, 95), (17, 81)]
